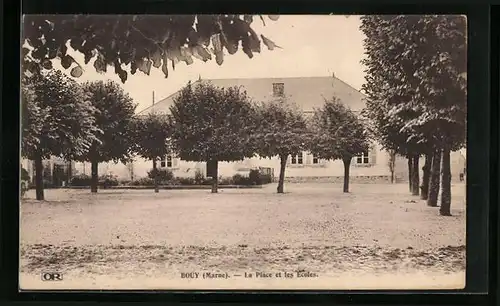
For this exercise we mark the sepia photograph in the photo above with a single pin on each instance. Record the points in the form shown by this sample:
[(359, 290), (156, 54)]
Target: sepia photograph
[(256, 152)]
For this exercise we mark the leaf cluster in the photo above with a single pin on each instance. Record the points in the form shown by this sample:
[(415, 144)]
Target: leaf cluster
[(152, 135), (114, 117), (336, 132), (57, 117), (141, 41), (415, 83), (281, 129), (212, 123)]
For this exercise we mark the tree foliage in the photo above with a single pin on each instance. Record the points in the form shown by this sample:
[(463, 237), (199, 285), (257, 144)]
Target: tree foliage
[(337, 132), (115, 112), (281, 129), (212, 123), (152, 135), (57, 117), (141, 41), (416, 84)]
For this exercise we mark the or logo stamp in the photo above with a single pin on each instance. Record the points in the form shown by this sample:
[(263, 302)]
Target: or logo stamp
[(52, 276)]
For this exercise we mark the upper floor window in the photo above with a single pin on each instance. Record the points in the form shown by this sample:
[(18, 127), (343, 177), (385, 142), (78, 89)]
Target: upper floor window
[(297, 159), (278, 89), (363, 158)]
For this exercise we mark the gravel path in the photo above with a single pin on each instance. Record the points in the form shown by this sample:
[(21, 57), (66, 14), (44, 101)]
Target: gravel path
[(103, 239)]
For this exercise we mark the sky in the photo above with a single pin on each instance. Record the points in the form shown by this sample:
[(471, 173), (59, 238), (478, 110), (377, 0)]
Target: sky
[(312, 45)]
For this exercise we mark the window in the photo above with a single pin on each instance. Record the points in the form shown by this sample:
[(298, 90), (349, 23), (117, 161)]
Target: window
[(362, 158), (297, 159), (166, 161), (315, 159), (278, 89)]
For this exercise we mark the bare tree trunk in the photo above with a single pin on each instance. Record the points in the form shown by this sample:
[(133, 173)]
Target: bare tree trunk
[(392, 164), (415, 173), (281, 180), (94, 179), (444, 210), (155, 179), (434, 179), (410, 170), (215, 177), (39, 177), (347, 165), (426, 177)]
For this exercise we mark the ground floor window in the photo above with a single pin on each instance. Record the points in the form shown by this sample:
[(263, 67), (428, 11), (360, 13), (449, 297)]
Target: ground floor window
[(166, 161), (363, 158), (297, 159), (315, 159)]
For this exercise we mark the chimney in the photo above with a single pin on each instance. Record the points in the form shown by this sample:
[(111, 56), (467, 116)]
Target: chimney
[(153, 97), (333, 74)]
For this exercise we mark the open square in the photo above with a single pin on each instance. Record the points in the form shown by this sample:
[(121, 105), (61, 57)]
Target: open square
[(315, 228)]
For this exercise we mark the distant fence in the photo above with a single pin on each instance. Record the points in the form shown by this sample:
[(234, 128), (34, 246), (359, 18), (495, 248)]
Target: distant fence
[(368, 179)]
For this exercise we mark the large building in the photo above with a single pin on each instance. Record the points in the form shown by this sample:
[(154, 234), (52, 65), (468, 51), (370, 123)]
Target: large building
[(308, 93)]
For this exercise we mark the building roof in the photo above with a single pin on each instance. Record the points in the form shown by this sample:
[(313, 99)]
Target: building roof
[(308, 93)]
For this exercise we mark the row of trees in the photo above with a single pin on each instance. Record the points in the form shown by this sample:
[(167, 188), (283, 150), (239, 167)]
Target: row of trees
[(205, 123), (416, 88)]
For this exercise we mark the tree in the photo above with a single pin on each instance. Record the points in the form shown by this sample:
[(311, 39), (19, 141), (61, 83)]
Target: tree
[(337, 133), (281, 131), (212, 124), (139, 40), (57, 120), (417, 65), (115, 119), (152, 134)]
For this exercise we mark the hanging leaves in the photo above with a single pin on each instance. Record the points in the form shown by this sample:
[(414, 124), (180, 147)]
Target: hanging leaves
[(269, 43), (140, 41), (100, 64), (67, 61), (77, 72), (144, 65), (47, 64)]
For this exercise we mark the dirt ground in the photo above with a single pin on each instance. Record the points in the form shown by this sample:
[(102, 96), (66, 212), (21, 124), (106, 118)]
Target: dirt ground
[(130, 239)]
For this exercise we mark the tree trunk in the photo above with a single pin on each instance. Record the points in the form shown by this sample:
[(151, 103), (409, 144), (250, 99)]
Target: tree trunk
[(215, 177), (410, 166), (415, 173), (281, 180), (94, 179), (426, 176), (434, 179), (392, 165), (155, 179), (39, 177), (70, 172), (444, 210), (347, 165)]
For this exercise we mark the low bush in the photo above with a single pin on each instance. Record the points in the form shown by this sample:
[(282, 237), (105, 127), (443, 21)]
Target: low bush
[(163, 175), (143, 181), (80, 180), (25, 176), (254, 177), (108, 180), (83, 180), (186, 181), (124, 182), (239, 179), (226, 181)]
